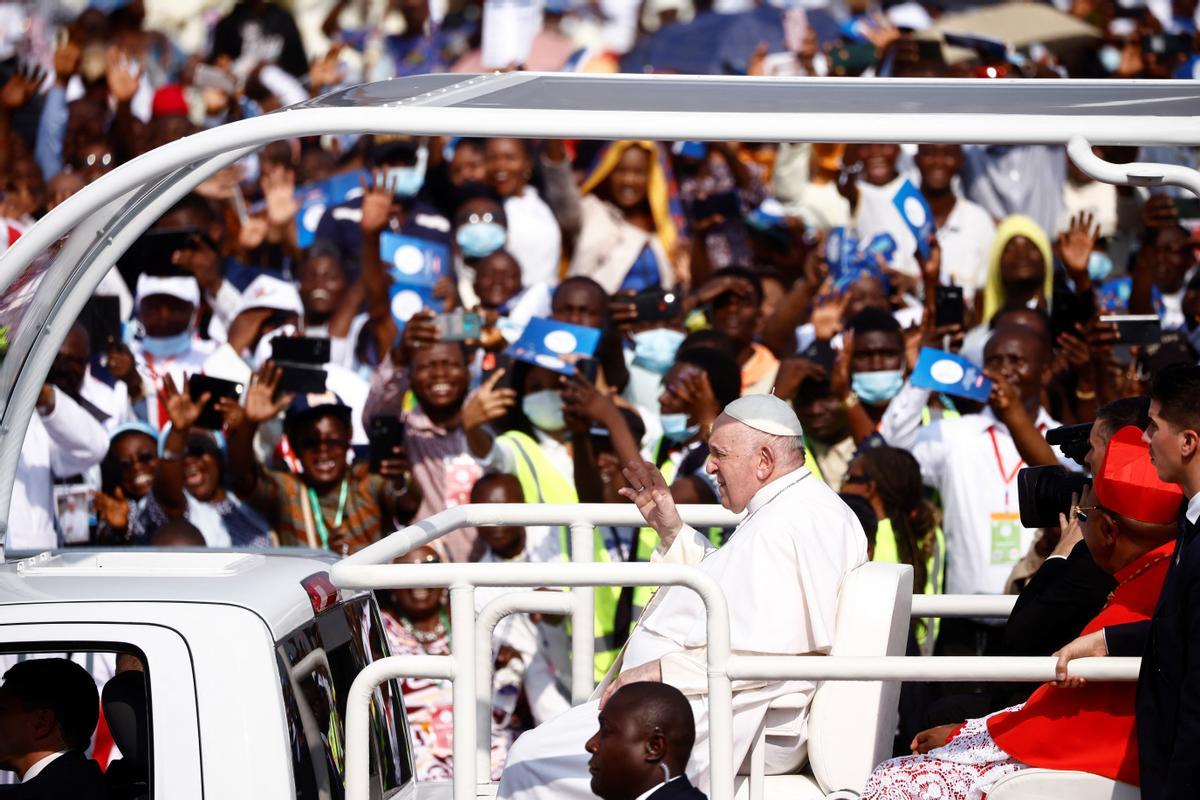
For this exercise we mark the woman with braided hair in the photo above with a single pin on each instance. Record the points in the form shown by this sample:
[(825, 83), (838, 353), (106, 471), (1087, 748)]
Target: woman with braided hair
[(890, 480)]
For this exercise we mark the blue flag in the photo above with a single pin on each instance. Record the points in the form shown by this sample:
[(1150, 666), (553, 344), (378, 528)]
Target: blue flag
[(950, 374), (315, 198), (917, 215), (554, 345)]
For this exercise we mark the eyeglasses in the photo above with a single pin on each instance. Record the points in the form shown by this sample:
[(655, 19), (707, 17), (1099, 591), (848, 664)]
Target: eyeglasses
[(126, 464), (196, 451), (316, 444), (472, 219), (104, 160), (1080, 512), (856, 479)]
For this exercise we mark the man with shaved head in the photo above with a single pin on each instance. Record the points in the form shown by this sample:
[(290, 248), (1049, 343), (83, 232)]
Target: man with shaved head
[(642, 746), (789, 554)]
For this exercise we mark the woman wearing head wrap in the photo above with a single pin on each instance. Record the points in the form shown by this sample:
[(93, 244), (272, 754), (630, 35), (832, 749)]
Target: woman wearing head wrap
[(1021, 267), (623, 221)]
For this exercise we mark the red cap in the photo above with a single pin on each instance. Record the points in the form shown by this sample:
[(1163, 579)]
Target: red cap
[(169, 102), (1128, 483)]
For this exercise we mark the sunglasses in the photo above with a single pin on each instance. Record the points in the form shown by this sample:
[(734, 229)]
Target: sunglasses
[(856, 479), (127, 464)]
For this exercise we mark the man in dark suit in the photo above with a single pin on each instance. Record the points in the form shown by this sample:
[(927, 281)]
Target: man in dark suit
[(1168, 703), (48, 711), (643, 744)]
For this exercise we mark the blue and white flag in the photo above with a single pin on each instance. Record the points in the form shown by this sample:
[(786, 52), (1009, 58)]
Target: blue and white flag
[(554, 345), (950, 374), (915, 212)]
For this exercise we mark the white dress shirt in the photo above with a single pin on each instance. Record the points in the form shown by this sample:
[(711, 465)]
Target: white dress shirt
[(67, 441), (44, 762), (1193, 508), (534, 238), (966, 242), (963, 458)]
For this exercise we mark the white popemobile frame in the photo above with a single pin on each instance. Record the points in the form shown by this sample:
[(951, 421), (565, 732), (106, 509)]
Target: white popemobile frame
[(47, 276)]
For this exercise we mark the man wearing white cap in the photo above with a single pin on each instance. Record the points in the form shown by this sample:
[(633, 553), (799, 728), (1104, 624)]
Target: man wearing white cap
[(167, 308), (780, 573)]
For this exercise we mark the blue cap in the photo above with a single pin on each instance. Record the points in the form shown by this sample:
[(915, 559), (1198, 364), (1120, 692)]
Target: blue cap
[(317, 403), (137, 426)]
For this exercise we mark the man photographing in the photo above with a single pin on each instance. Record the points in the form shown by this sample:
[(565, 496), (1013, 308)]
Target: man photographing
[(791, 552), (1168, 707), (643, 744)]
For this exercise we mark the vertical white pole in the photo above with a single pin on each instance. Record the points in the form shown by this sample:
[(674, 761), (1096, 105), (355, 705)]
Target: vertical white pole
[(583, 629), (483, 698), (720, 698), (462, 647)]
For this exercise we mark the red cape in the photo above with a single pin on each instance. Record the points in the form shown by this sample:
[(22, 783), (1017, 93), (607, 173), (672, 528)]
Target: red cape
[(1092, 728)]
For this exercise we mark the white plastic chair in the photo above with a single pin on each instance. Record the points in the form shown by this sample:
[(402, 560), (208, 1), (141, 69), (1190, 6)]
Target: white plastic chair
[(851, 724)]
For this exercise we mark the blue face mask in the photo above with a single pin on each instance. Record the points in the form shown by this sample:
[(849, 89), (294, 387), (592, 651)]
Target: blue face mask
[(405, 181), (655, 349), (876, 388), (479, 239), (1100, 266), (1110, 58), (168, 346), (676, 429)]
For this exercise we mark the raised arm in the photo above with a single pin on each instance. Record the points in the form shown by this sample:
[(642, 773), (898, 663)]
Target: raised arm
[(168, 481), (243, 423), (376, 209)]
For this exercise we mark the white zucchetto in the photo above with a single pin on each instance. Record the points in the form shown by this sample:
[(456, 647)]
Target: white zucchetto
[(766, 413)]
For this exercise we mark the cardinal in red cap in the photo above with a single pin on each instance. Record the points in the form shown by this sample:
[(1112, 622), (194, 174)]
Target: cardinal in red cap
[(1129, 524)]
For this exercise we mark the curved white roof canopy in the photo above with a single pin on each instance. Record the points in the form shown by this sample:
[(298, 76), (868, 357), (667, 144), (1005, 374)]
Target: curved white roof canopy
[(51, 271)]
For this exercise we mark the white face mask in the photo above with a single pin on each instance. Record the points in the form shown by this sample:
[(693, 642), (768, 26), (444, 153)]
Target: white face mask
[(545, 410)]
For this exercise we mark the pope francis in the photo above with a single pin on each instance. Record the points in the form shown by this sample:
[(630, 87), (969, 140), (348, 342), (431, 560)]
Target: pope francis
[(780, 573)]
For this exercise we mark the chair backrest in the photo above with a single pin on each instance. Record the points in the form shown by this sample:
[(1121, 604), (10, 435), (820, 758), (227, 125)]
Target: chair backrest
[(852, 723)]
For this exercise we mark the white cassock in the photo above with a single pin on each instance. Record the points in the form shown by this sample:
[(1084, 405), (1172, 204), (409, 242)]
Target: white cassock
[(780, 573)]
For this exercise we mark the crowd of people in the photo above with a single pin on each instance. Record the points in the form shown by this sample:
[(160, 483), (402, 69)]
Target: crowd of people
[(404, 273)]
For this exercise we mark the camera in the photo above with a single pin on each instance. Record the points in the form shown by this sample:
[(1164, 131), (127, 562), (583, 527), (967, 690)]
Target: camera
[(1072, 440), (1045, 492)]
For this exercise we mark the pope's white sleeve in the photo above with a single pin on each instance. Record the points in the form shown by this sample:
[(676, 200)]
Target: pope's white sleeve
[(687, 671), (689, 547), (902, 419)]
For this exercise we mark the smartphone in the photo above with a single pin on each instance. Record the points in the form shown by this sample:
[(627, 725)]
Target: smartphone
[(210, 418), (459, 326), (151, 253), (851, 59), (657, 305), (385, 434), (302, 378), (206, 76), (503, 362), (725, 204), (101, 318), (950, 307), (300, 349), (589, 368), (1136, 328), (1069, 309)]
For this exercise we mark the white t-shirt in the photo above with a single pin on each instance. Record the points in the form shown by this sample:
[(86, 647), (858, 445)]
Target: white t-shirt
[(966, 242), (534, 238)]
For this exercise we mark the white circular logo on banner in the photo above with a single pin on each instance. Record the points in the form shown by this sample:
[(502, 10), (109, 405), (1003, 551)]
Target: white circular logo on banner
[(915, 212), (312, 216), (560, 342), (946, 371), (409, 259), (406, 303)]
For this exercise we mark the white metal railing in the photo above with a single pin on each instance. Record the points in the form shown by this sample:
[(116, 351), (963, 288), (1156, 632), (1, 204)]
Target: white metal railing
[(469, 664)]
